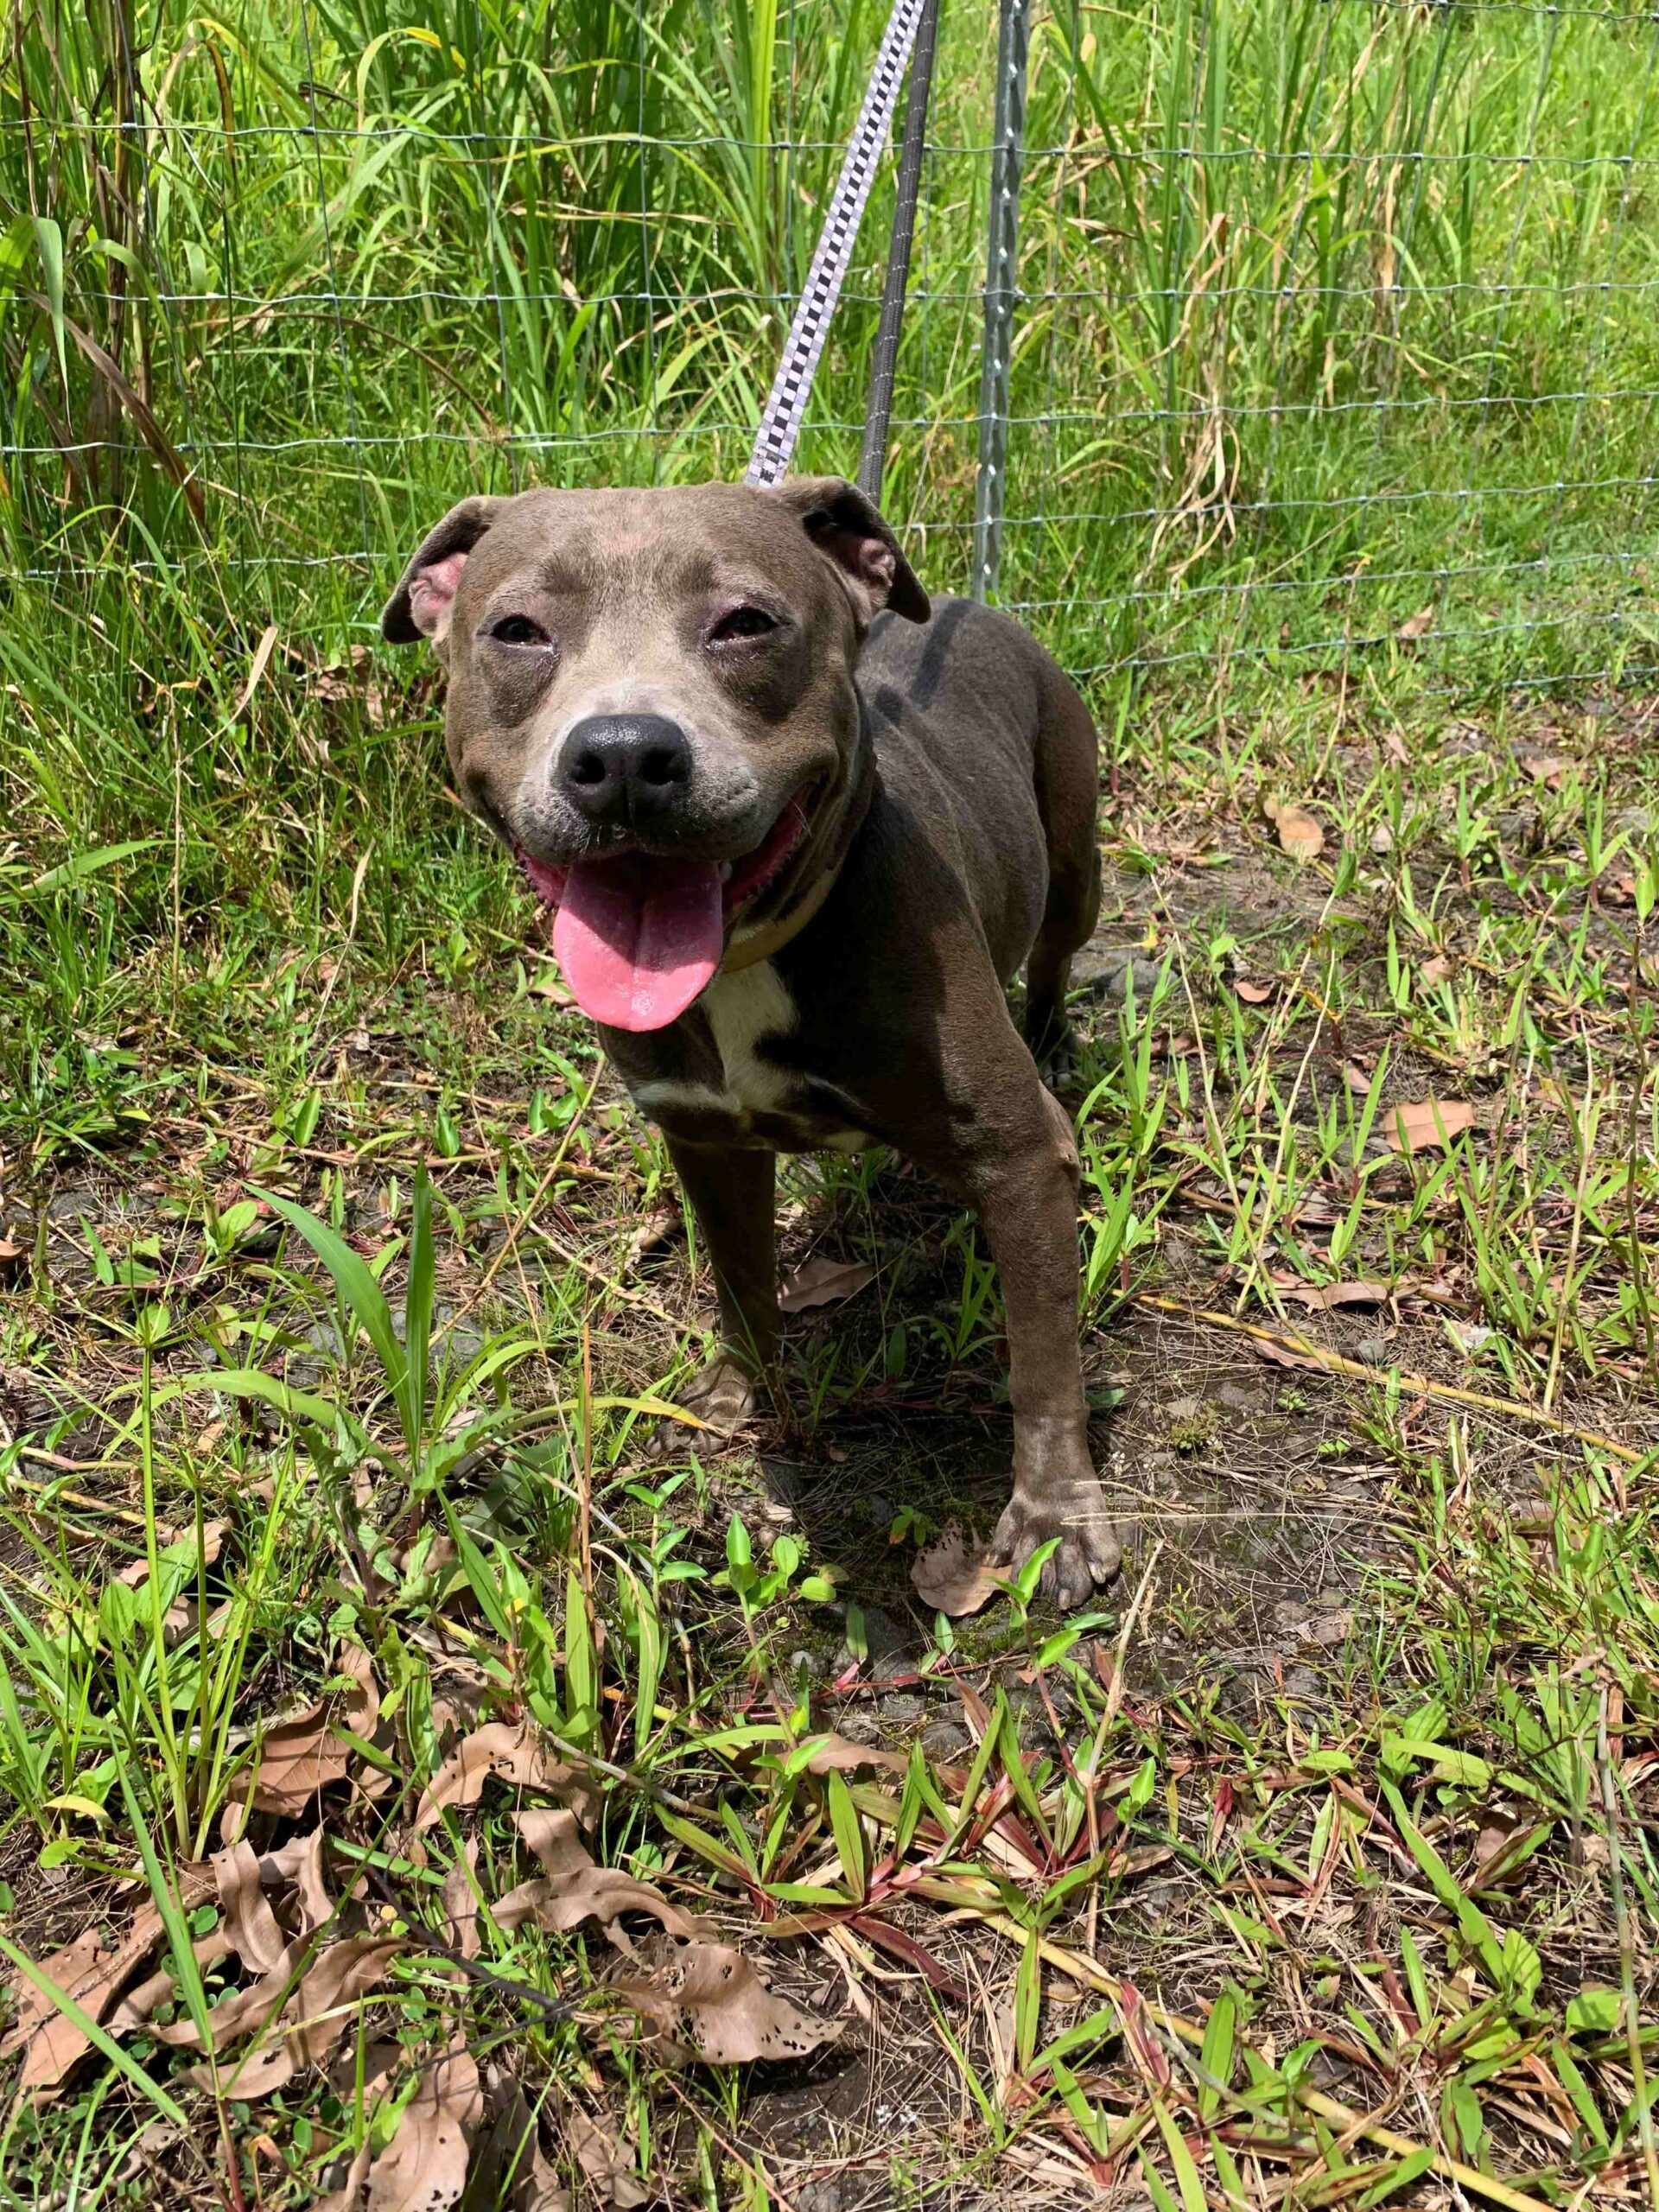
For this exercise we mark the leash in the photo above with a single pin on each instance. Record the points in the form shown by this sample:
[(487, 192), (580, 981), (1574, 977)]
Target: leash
[(780, 419)]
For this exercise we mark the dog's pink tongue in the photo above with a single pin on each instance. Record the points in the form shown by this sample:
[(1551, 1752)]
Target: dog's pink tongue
[(637, 939)]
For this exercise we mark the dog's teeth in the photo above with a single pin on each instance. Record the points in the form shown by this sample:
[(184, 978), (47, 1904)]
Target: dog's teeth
[(725, 871)]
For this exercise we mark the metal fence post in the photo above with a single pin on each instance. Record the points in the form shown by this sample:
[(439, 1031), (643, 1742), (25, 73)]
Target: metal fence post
[(1001, 270), (872, 463)]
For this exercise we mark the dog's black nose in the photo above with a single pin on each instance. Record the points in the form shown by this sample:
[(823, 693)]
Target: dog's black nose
[(624, 768)]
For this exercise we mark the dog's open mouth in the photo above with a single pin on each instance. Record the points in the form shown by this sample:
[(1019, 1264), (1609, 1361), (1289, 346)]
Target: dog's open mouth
[(638, 936)]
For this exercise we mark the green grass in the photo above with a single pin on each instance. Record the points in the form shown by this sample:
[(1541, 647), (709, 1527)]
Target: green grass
[(338, 1290)]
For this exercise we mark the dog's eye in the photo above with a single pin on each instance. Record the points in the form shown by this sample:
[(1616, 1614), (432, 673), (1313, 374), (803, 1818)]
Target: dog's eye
[(518, 630), (742, 622)]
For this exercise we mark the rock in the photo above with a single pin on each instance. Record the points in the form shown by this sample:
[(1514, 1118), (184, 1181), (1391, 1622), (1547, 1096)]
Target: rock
[(900, 1707), (1107, 970), (943, 1739)]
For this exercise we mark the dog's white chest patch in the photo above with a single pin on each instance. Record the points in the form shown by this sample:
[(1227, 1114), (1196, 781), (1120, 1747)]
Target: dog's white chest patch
[(741, 1010)]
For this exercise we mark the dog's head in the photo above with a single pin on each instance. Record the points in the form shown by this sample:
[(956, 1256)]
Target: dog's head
[(651, 701)]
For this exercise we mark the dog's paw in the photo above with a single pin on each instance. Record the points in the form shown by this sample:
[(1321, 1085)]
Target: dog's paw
[(724, 1398), (1087, 1551)]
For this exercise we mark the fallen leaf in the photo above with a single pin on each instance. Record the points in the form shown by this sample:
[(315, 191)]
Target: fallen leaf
[(573, 1889), (249, 1920), (144, 1996), (1427, 1125), (823, 1282), (1325, 1298), (709, 1996), (1416, 626), (512, 2169), (348, 2197), (1546, 768), (303, 1754), (1435, 970), (88, 1970), (512, 1755), (1278, 1355), (424, 2167), (1300, 834), (651, 1231), (459, 1898), (136, 1571), (953, 1575), (604, 2161), (94, 1975), (298, 1863), (839, 1755), (1357, 1080), (313, 2017), (1395, 749), (1471, 1337), (1252, 993)]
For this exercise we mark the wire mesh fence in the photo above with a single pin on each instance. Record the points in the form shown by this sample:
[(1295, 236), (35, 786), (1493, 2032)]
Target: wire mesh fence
[(1332, 336)]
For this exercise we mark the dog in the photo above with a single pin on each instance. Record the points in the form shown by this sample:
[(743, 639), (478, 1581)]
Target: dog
[(801, 829)]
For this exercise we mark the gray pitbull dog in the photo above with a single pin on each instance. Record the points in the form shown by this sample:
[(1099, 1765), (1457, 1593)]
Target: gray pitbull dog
[(801, 829)]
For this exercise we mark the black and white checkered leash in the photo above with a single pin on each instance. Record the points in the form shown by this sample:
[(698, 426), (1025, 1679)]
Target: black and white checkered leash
[(780, 420)]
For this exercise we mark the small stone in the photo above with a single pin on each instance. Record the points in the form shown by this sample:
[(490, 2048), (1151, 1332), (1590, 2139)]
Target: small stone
[(943, 1739), (900, 1707)]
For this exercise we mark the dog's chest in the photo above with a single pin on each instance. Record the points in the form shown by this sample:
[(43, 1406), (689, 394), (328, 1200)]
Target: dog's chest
[(738, 1092)]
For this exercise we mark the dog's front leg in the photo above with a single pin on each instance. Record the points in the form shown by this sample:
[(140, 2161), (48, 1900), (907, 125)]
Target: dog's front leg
[(1025, 1191), (731, 1194)]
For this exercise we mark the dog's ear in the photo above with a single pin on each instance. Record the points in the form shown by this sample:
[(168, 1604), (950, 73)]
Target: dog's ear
[(847, 527), (421, 604)]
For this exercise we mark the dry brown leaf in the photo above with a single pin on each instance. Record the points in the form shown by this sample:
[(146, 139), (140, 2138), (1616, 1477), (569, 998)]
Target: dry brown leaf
[(137, 1571), (604, 2161), (87, 1970), (573, 1889), (381, 2058), (424, 2167), (651, 1231), (1252, 993), (313, 2018), (1327, 1297), (512, 2169), (1416, 626), (839, 1755), (1300, 834), (1546, 768), (514, 1756), (93, 1975), (144, 1996), (823, 1282), (348, 2197), (1434, 971), (299, 1862), (249, 1920), (347, 1971), (1356, 1077), (953, 1575), (244, 2010), (1426, 1124), (459, 1899), (301, 1755), (1278, 1355), (1394, 748), (710, 1998)]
